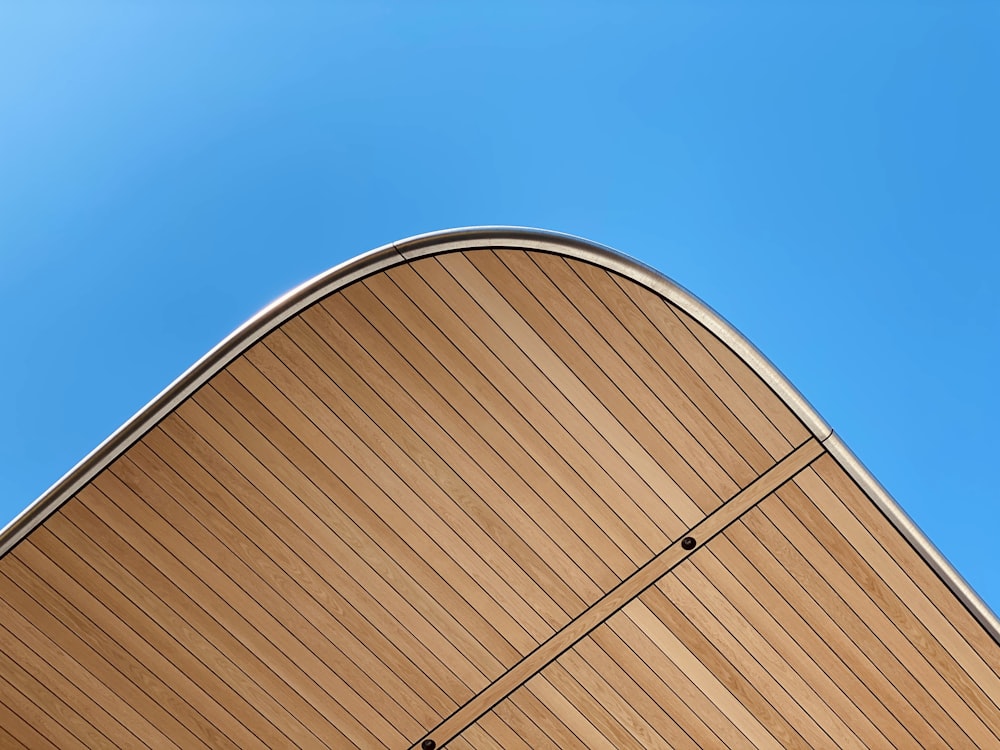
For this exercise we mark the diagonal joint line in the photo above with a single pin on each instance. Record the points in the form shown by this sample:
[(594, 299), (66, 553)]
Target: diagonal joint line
[(581, 626)]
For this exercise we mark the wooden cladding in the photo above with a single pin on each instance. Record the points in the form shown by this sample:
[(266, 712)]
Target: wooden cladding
[(449, 501)]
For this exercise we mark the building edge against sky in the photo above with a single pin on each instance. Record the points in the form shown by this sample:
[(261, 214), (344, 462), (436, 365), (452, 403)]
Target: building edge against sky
[(458, 242), (304, 295)]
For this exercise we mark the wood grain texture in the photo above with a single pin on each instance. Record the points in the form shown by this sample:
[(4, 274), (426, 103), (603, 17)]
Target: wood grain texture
[(448, 500)]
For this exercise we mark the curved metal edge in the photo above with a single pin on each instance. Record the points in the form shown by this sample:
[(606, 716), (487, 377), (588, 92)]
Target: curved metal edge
[(451, 240), (912, 533), (215, 360), (523, 238)]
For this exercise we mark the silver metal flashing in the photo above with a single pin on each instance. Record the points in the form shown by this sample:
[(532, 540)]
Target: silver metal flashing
[(467, 238), (912, 533)]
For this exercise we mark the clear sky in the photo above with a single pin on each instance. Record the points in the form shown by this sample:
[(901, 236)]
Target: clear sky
[(826, 177)]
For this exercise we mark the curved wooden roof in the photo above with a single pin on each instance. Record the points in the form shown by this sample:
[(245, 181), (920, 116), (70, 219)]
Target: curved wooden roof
[(489, 488)]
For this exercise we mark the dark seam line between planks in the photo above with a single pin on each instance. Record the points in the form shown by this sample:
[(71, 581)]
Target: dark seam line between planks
[(625, 592)]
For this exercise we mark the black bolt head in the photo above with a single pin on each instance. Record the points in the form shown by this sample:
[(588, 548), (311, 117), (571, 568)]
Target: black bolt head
[(688, 542), (428, 745)]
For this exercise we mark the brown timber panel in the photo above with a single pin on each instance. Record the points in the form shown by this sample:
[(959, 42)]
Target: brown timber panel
[(660, 502), (911, 623), (517, 287), (91, 646), (703, 420), (83, 688), (741, 621), (633, 684), (763, 414), (530, 392), (270, 598), (856, 650), (362, 526), (510, 419)]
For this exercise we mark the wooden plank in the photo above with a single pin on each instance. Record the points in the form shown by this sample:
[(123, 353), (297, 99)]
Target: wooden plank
[(658, 498), (531, 392), (628, 590), (208, 599), (558, 735), (569, 468), (735, 698), (774, 604), (915, 584), (259, 459), (692, 604), (34, 706), (450, 469), (716, 386), (608, 369), (677, 698), (317, 461), (872, 672), (170, 628), (478, 738), (571, 714), (354, 609), (478, 459), (18, 732), (56, 622), (32, 645), (502, 734), (926, 587), (959, 693), (429, 483), (779, 602), (49, 608), (619, 694), (269, 596), (592, 294), (105, 622), (64, 702), (743, 391), (407, 363), (600, 704), (529, 727)]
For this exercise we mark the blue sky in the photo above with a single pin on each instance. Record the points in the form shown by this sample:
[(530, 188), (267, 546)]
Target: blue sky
[(826, 177)]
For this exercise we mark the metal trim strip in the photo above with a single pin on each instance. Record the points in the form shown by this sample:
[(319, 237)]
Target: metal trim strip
[(451, 240)]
